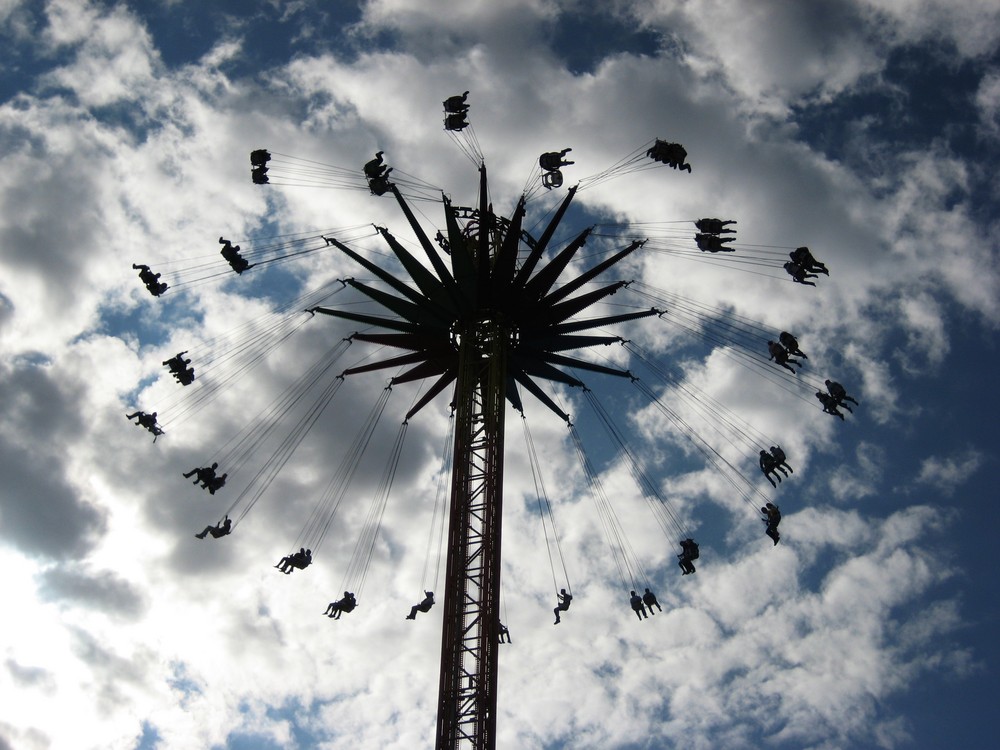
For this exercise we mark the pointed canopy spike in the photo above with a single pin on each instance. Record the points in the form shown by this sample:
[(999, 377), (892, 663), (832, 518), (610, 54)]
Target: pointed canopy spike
[(548, 343), (558, 359), (483, 246), (439, 267), (544, 279), (402, 359), (571, 307), (412, 341), (403, 308), (541, 369), (432, 287), (434, 390), (568, 288), (462, 265), (540, 394), (513, 396), (425, 369), (387, 277), (543, 241), (372, 320), (582, 325), (506, 260)]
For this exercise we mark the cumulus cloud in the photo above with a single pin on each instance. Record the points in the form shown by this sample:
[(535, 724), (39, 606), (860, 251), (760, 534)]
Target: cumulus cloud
[(777, 53), (946, 473), (862, 478), (104, 590), (988, 103)]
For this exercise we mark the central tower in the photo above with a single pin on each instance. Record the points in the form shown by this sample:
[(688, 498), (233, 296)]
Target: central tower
[(469, 641), (492, 323)]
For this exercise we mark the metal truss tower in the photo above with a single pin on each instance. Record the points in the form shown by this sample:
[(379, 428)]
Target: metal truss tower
[(469, 640)]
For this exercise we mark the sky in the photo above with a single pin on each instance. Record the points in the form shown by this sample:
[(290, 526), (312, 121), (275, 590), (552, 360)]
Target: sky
[(865, 129)]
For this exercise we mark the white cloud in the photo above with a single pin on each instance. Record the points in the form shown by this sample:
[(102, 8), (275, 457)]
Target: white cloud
[(774, 54), (860, 480), (970, 25), (945, 473), (988, 103)]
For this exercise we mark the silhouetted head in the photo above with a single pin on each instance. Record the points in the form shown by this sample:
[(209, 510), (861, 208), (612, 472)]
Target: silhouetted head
[(827, 382), (562, 591), (763, 510), (631, 593), (647, 590), (763, 453)]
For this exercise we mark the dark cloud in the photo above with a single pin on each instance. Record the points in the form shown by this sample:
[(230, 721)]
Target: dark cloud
[(43, 513), (44, 240), (103, 590), (6, 310)]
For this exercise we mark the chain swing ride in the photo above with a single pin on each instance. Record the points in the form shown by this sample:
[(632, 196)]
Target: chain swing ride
[(488, 311)]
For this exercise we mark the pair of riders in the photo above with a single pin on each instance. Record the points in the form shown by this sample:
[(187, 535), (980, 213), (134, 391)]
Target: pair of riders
[(258, 166), (835, 398), (640, 604), (689, 553), (232, 255), (301, 560), (347, 604), (178, 367), (152, 280), (148, 421), (804, 266), (206, 476), (551, 162), (772, 463), (377, 174), (671, 154), (780, 356)]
